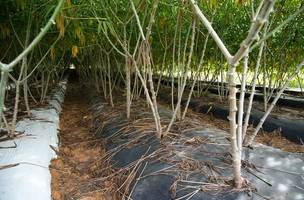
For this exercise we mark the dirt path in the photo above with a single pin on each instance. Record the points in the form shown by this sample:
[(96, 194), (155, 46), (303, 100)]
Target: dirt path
[(78, 171)]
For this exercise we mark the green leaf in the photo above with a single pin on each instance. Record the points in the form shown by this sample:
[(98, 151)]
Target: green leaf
[(99, 28)]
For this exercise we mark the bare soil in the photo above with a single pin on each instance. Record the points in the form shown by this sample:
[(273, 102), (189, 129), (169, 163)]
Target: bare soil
[(79, 172)]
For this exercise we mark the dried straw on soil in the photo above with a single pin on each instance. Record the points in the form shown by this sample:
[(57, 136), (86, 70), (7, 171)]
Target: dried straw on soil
[(141, 128), (80, 156)]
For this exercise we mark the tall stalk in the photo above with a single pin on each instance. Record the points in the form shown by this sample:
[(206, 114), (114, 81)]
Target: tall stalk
[(176, 33), (255, 77), (109, 79), (18, 81), (145, 53), (128, 76), (177, 107), (25, 68), (250, 138), (241, 105), (196, 76)]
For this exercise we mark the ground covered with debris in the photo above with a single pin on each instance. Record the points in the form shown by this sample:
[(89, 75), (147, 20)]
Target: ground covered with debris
[(104, 155), (193, 161), (80, 172)]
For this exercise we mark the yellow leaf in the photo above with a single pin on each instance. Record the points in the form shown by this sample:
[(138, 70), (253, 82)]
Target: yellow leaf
[(240, 2), (53, 53), (68, 3), (4, 31), (20, 4), (162, 22), (239, 69), (79, 34), (212, 3), (150, 40), (74, 51), (60, 24), (82, 40)]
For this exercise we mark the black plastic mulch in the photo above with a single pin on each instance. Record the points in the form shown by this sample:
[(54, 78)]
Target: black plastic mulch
[(193, 165)]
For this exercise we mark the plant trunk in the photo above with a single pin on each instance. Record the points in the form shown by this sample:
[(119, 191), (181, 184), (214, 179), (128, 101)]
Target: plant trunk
[(236, 159), (3, 83)]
